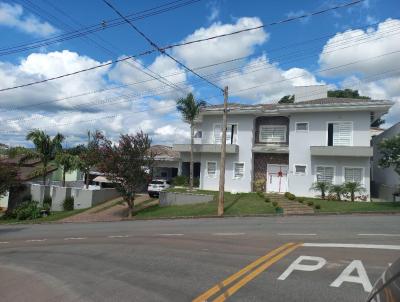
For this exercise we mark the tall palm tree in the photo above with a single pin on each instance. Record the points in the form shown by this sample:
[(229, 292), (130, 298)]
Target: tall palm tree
[(45, 149), (189, 107)]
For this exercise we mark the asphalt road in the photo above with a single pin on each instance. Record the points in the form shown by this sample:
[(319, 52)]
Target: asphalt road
[(231, 259)]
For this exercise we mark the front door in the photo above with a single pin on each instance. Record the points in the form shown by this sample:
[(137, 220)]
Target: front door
[(277, 178)]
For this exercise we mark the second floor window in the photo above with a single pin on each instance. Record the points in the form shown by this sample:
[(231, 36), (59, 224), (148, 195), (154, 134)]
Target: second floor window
[(272, 134), (230, 139), (340, 134)]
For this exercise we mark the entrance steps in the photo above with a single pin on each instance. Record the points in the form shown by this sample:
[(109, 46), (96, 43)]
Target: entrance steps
[(290, 207)]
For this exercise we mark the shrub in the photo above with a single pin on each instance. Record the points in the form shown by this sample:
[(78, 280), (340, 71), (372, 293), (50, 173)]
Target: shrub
[(180, 180), (301, 199), (27, 210), (310, 203), (320, 186), (196, 182), (260, 194), (336, 190), (286, 194), (68, 204), (259, 185), (266, 199), (317, 206), (291, 196), (274, 203)]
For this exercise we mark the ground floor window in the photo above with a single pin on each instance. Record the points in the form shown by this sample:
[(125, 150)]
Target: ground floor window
[(300, 169), (325, 174), (353, 175), (238, 170), (211, 168)]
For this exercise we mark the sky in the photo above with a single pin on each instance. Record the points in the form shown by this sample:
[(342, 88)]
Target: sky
[(354, 47)]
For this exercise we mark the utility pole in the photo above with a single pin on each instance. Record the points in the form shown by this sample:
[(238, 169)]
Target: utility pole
[(223, 152)]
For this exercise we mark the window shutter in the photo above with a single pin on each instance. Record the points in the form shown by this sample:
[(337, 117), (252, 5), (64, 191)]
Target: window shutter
[(272, 134), (301, 126), (217, 134), (325, 174), (342, 133), (239, 170), (211, 169), (353, 175)]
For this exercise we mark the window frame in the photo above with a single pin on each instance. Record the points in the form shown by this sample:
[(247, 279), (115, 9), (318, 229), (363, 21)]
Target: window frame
[(339, 122), (326, 166), (233, 170), (354, 167), (275, 126), (302, 131), (220, 124), (216, 169), (298, 173)]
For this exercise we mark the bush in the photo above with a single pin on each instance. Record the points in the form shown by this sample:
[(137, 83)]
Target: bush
[(260, 194), (180, 180), (310, 203), (317, 206), (301, 199), (266, 199), (274, 203), (68, 204), (27, 210), (290, 196), (196, 182), (259, 185), (286, 194)]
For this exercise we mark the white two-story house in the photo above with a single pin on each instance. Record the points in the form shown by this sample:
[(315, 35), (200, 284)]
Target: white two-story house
[(289, 146)]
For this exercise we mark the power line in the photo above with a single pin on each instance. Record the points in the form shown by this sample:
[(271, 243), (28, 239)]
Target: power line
[(156, 46), (172, 46), (94, 28)]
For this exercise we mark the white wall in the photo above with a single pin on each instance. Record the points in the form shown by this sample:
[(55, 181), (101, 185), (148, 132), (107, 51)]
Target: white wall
[(299, 148), (245, 141), (4, 200)]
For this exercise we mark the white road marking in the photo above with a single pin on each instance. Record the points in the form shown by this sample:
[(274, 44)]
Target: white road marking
[(119, 236), (4, 242), (296, 234), (171, 234), (380, 235), (354, 246), (296, 265), (75, 238), (35, 240), (347, 276), (228, 234)]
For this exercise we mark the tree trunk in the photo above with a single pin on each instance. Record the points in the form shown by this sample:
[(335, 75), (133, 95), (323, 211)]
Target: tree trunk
[(44, 171), (323, 194), (352, 196), (63, 180), (191, 157), (131, 204), (87, 180)]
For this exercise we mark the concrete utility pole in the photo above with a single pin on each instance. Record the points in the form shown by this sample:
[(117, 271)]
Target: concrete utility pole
[(223, 152)]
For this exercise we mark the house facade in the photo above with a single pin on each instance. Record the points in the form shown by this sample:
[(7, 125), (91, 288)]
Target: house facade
[(287, 146)]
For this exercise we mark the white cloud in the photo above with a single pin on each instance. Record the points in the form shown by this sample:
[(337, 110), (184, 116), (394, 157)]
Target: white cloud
[(214, 11), (224, 48), (301, 77), (299, 13), (176, 133), (359, 45), (12, 15), (162, 106)]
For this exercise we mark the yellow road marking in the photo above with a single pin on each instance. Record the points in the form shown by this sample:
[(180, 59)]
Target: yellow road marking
[(254, 274), (203, 297)]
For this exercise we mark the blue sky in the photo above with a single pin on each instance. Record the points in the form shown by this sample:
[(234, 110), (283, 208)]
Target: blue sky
[(277, 58)]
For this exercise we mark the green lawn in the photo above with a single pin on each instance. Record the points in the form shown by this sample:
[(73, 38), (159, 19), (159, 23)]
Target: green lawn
[(235, 204), (348, 207), (53, 217)]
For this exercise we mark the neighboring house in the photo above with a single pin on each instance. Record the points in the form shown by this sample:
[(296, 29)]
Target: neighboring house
[(26, 173), (167, 162), (290, 146), (385, 181)]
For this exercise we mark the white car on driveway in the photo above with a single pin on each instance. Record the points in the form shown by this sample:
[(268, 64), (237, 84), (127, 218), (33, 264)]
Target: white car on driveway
[(156, 186)]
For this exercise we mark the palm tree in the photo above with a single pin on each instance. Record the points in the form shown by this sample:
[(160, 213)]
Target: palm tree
[(320, 186), (67, 162), (190, 108), (45, 149), (338, 190), (352, 188)]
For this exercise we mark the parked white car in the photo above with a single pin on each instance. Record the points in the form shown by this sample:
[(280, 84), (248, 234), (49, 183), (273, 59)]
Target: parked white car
[(156, 186)]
